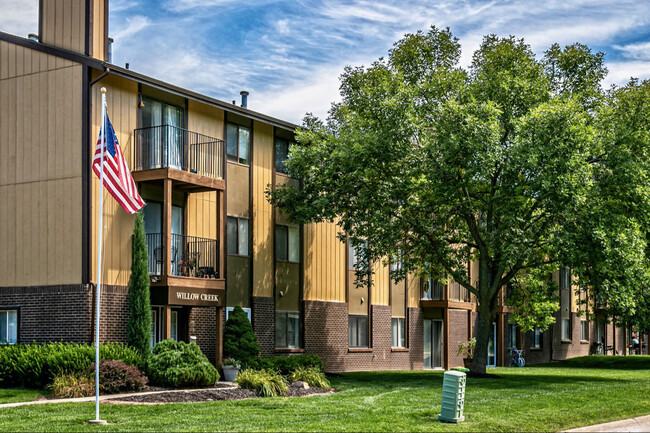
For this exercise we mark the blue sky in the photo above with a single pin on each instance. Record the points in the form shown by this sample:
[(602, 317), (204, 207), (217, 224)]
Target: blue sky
[(289, 54)]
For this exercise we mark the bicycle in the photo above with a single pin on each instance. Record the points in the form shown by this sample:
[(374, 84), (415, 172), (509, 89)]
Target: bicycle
[(517, 358)]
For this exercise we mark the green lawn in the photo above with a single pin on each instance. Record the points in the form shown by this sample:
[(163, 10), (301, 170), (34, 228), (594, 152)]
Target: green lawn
[(542, 398), (14, 395)]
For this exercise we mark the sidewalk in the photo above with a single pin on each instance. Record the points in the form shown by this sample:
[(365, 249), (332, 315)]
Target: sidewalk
[(103, 397), (639, 424)]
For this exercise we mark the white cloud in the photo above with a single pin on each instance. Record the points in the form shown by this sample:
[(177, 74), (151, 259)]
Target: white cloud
[(133, 25), (639, 50), (19, 17)]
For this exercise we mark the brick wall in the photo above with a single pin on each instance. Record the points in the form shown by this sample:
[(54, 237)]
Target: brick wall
[(51, 313), (326, 334), (457, 334), (263, 315), (114, 314), (205, 328)]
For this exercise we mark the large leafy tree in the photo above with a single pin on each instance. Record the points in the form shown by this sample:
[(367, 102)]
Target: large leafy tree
[(503, 163)]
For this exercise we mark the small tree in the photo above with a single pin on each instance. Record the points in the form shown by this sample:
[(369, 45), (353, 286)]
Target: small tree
[(139, 326), (239, 340)]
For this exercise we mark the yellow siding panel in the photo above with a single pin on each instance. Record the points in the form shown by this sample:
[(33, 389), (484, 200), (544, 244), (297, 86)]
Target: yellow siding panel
[(325, 267), (413, 293), (262, 151), (122, 100), (41, 212), (63, 24), (381, 284)]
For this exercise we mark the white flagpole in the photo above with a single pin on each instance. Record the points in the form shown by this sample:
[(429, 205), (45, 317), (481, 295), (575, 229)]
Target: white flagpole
[(99, 256)]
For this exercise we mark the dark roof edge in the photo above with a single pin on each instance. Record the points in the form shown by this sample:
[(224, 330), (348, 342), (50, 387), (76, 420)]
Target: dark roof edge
[(144, 79)]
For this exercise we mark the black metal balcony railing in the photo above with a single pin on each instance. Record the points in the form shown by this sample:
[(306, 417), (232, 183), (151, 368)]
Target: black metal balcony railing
[(191, 256), (168, 146)]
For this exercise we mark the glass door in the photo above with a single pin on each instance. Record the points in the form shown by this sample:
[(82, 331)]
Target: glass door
[(178, 241), (492, 349), (433, 343)]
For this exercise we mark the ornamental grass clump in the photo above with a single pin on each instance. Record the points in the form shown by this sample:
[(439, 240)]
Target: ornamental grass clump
[(179, 364), (73, 385), (312, 376), (266, 383)]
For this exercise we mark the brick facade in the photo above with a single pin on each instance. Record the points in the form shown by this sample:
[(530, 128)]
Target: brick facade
[(457, 334), (114, 314), (263, 315), (51, 313), (205, 329)]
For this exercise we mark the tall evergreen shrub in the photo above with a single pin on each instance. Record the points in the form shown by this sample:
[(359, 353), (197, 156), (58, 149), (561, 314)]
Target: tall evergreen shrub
[(239, 340), (139, 325)]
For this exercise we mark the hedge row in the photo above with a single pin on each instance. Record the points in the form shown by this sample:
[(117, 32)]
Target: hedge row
[(36, 365)]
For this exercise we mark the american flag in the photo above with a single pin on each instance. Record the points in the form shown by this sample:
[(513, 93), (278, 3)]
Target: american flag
[(117, 176)]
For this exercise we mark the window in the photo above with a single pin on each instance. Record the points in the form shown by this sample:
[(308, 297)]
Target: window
[(246, 310), (287, 243), (565, 278), (536, 338), (512, 336), (287, 330), (399, 333), (237, 236), (8, 326), (434, 288), (358, 331), (281, 155), (584, 330), (238, 143), (174, 327), (566, 329), (354, 255)]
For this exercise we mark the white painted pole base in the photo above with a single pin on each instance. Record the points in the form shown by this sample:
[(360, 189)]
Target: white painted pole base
[(97, 421)]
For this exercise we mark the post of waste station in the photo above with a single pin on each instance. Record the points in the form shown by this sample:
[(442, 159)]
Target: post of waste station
[(453, 397)]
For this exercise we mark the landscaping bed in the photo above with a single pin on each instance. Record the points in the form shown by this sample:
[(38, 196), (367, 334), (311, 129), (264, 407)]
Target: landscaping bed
[(205, 395)]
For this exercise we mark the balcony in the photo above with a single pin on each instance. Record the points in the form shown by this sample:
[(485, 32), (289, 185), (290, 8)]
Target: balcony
[(435, 294), (195, 161), (190, 256)]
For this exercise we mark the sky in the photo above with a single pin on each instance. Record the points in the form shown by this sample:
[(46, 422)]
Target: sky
[(289, 54)]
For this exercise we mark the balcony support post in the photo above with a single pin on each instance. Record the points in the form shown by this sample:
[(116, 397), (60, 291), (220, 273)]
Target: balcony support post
[(219, 336), (221, 230), (167, 330), (167, 227)]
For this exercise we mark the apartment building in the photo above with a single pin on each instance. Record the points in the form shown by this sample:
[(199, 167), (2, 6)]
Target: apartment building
[(202, 166)]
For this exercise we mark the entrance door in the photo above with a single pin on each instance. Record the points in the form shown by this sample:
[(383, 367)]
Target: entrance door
[(433, 348), (158, 324), (492, 348)]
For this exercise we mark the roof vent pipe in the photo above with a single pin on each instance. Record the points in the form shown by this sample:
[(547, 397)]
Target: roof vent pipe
[(109, 50), (244, 99)]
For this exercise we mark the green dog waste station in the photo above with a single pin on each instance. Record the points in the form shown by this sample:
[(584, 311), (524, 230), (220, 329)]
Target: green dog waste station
[(453, 397)]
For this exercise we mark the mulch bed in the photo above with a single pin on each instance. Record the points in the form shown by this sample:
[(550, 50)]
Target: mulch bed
[(205, 395)]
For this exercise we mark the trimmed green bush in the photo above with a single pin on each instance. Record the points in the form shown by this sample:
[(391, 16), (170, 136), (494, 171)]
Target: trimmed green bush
[(311, 375), (36, 365), (179, 364), (239, 340), (286, 364), (138, 329), (116, 377), (266, 383)]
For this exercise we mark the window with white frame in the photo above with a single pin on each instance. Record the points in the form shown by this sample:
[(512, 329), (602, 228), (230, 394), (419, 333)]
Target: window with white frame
[(584, 330), (512, 336), (8, 326), (398, 332), (358, 331), (246, 310), (287, 329), (237, 236), (536, 338), (566, 329)]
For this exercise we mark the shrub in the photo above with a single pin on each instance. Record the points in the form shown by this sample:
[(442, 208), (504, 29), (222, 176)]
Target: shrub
[(73, 385), (116, 377), (179, 364), (266, 383), (138, 328), (239, 340), (286, 364), (36, 365), (312, 375)]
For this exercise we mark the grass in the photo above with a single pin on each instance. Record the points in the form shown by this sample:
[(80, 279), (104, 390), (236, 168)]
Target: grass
[(541, 398), (15, 395)]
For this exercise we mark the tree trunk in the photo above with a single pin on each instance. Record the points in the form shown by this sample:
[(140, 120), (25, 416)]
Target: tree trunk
[(485, 319)]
